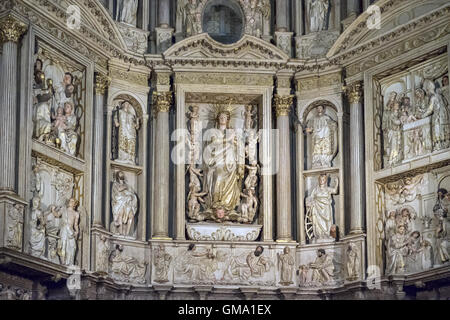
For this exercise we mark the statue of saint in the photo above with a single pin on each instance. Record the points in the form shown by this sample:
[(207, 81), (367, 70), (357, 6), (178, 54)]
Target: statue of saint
[(286, 264), (438, 109), (396, 252), (41, 107), (68, 136), (353, 266), (319, 210), (126, 121), (124, 204), (257, 263), (394, 135), (323, 130), (67, 246), (127, 11), (37, 224), (318, 14), (322, 268), (223, 174), (161, 260), (192, 17)]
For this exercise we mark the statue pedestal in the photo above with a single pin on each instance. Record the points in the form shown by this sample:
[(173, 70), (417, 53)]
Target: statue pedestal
[(315, 45), (135, 39), (222, 232)]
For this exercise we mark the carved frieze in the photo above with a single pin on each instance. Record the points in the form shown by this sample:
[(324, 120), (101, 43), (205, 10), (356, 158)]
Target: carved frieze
[(129, 76), (223, 79), (316, 82)]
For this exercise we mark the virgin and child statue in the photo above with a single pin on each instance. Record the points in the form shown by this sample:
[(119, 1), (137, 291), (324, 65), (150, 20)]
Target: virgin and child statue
[(223, 174)]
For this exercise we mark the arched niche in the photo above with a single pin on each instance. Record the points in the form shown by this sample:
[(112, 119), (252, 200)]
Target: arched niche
[(134, 173), (310, 117), (137, 111)]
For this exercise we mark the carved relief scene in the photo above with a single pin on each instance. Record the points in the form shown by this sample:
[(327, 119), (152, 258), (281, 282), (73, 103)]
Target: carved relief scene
[(415, 223), (416, 112), (58, 223), (221, 265), (58, 102)]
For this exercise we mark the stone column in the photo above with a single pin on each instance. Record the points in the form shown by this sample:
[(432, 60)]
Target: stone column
[(281, 15), (283, 104), (164, 13), (298, 26), (101, 84), (366, 4), (355, 95), (161, 102), (10, 32), (353, 7), (163, 32)]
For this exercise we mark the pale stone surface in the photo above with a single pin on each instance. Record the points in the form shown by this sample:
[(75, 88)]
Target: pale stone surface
[(385, 232)]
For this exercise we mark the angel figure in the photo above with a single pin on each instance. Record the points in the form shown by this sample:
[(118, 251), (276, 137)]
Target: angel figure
[(251, 147), (249, 205), (194, 200), (249, 114), (195, 125), (251, 180)]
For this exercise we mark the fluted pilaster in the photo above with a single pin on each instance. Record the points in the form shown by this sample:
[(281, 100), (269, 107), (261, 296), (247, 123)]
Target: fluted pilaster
[(355, 94), (283, 104), (162, 102), (10, 32), (101, 85)]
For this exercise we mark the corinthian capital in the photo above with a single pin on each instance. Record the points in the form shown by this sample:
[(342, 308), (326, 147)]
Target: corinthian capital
[(355, 92), (283, 104), (162, 101), (11, 29), (101, 83)]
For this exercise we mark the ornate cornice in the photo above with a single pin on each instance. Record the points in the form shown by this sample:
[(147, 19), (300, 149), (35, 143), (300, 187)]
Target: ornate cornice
[(162, 101), (381, 42), (398, 49), (101, 83), (355, 92), (11, 29), (283, 104)]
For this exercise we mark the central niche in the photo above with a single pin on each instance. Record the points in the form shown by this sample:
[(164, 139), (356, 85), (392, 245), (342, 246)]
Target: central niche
[(223, 21)]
